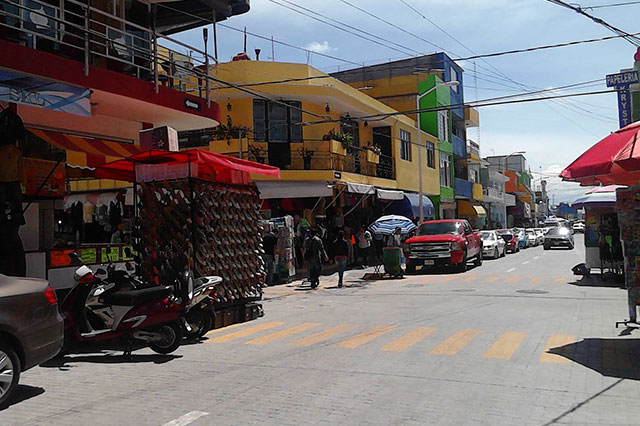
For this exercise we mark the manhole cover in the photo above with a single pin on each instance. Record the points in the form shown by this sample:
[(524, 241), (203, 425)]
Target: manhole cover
[(532, 291), (464, 290)]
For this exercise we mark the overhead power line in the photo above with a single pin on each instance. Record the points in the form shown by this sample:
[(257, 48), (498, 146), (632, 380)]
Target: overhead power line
[(602, 6), (630, 38)]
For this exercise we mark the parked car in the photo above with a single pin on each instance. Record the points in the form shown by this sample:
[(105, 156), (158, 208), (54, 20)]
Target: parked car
[(510, 239), (449, 242), (578, 227), (559, 237), (532, 238), (31, 329), (522, 237), (493, 245), (539, 235)]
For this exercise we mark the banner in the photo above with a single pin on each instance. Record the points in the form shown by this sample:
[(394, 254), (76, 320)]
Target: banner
[(35, 173), (40, 92)]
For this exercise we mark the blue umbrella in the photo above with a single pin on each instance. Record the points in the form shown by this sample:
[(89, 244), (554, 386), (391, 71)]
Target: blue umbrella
[(594, 199), (386, 225)]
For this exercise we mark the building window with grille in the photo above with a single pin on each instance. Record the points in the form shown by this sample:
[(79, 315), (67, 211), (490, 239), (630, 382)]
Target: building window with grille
[(443, 125), (445, 170), (405, 145), (431, 155), (277, 123)]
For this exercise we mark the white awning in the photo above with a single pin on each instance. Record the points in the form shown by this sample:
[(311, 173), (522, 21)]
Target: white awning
[(360, 188), (387, 194), (480, 210), (293, 189)]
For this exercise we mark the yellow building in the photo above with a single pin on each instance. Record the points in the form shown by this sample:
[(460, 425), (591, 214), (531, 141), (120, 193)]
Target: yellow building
[(300, 133)]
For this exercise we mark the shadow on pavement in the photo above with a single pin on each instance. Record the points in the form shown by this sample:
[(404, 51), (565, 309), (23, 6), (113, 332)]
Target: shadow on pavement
[(22, 393), (65, 362), (609, 357), (596, 281)]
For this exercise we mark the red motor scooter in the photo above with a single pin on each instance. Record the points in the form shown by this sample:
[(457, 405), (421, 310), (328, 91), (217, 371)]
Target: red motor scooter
[(152, 314)]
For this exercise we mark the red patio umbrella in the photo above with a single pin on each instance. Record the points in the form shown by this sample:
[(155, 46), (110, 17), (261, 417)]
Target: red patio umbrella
[(615, 160)]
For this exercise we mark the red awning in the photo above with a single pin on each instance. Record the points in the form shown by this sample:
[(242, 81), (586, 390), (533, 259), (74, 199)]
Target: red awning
[(125, 169), (86, 152)]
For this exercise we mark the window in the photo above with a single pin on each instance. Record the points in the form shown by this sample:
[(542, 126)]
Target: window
[(445, 170), (454, 77), (277, 123), (405, 145), (431, 155), (443, 125)]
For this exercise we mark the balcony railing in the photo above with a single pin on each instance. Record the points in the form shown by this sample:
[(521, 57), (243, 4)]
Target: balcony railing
[(96, 37), (473, 149), (463, 188), (459, 146)]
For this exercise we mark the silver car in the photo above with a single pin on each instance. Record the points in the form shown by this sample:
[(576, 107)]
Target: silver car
[(559, 237), (493, 245)]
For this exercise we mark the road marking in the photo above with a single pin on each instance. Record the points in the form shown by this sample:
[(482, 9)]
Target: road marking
[(244, 333), (229, 327), (323, 335), (455, 343), (560, 280), (513, 280), (448, 278), (491, 279), (505, 346), (186, 419), (367, 336), (272, 337), (468, 279), (403, 343), (556, 340), (525, 262), (544, 253), (536, 257), (511, 270), (535, 280)]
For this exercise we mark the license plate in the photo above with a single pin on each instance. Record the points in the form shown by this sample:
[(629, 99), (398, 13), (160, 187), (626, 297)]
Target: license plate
[(429, 262)]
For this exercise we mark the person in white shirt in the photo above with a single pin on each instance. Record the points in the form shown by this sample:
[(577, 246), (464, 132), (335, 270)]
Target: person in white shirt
[(364, 244)]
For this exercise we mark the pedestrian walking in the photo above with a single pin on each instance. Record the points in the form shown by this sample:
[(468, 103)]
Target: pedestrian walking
[(364, 244), (340, 251), (314, 254), (269, 242), (395, 239)]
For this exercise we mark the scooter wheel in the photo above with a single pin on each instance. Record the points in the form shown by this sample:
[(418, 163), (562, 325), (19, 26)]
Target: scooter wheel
[(200, 322), (171, 338)]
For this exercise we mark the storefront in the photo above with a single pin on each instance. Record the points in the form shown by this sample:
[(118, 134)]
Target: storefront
[(473, 212)]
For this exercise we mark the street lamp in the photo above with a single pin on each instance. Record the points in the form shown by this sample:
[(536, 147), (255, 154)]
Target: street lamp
[(444, 84), (504, 202)]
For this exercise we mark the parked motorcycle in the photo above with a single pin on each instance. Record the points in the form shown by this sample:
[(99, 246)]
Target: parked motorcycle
[(152, 314), (200, 314)]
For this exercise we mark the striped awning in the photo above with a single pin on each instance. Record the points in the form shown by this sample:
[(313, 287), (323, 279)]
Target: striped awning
[(86, 152)]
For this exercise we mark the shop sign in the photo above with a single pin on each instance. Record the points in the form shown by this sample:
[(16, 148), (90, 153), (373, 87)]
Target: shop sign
[(35, 173), (110, 254), (621, 82), (622, 79), (88, 255), (59, 258), (124, 253), (191, 104), (40, 92), (624, 107)]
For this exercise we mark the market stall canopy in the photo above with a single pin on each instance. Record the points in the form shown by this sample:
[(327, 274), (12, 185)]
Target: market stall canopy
[(360, 188), (125, 169), (387, 225), (85, 152), (603, 196), (427, 205), (467, 209), (387, 194), (291, 189), (613, 160)]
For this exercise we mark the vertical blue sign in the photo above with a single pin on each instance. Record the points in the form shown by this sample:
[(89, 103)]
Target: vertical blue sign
[(624, 107)]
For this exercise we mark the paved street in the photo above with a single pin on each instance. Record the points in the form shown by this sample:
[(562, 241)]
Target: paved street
[(516, 341)]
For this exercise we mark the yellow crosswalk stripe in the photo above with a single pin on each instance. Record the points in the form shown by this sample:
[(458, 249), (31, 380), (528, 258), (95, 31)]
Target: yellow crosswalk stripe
[(455, 343), (560, 280), (491, 279), (227, 328), (272, 337), (244, 333), (447, 278), (512, 280), (555, 341), (506, 345), (323, 335), (367, 336), (468, 279), (535, 280), (403, 343)]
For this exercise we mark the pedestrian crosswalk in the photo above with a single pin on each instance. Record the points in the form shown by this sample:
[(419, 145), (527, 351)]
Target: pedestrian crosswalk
[(499, 279), (396, 339)]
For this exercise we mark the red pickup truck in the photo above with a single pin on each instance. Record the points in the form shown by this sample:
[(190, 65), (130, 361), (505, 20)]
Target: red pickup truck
[(444, 242)]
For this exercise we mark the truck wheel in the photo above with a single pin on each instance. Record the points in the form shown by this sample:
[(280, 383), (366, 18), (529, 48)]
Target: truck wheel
[(171, 338), (411, 268), (478, 260), (10, 372), (462, 267)]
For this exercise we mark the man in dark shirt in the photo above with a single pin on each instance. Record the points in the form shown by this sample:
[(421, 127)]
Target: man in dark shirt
[(269, 242)]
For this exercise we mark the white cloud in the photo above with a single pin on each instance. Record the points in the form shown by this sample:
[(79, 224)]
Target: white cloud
[(320, 47)]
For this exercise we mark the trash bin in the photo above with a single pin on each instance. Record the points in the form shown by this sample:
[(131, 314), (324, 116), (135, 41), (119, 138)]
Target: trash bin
[(392, 261)]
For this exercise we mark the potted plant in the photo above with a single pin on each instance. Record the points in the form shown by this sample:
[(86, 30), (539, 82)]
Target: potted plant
[(373, 153), (307, 155), (256, 153), (340, 142)]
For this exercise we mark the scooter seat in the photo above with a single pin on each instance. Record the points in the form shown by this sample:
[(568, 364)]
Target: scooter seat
[(135, 297)]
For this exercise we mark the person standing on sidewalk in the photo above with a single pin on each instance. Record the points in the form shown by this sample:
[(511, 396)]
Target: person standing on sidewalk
[(269, 242), (340, 251), (364, 244), (314, 254)]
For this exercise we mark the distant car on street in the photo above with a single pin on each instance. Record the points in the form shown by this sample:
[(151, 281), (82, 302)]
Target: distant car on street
[(539, 235), (578, 227), (510, 239), (522, 237), (532, 238), (559, 237), (493, 245), (31, 329)]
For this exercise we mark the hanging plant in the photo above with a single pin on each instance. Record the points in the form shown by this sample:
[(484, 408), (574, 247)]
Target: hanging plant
[(376, 149)]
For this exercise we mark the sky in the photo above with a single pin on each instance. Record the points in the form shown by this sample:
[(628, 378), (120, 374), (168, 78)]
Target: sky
[(553, 133)]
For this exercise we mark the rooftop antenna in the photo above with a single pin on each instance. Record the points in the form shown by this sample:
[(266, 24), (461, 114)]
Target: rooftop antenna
[(257, 54), (245, 40), (273, 51)]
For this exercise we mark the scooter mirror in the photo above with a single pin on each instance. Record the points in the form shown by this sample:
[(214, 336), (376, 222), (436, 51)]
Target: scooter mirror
[(74, 256), (128, 266), (100, 271)]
